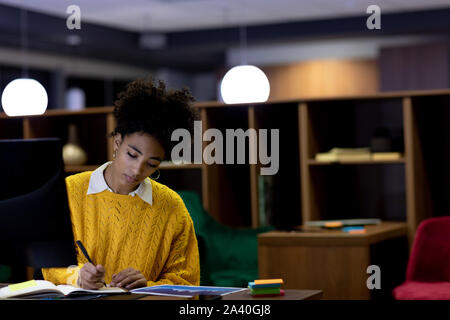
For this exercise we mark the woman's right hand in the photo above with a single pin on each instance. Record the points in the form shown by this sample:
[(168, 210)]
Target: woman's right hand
[(91, 277)]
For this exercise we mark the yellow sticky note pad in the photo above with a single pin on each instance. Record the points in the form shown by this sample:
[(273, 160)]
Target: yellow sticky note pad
[(268, 281), (333, 224), (22, 285)]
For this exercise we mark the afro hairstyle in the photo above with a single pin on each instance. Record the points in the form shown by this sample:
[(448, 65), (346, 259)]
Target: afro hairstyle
[(152, 109)]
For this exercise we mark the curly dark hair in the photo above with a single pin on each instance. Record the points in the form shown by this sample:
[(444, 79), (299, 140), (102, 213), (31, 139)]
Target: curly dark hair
[(145, 107)]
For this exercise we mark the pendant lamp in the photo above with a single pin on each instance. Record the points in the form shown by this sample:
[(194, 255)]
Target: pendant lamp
[(244, 83), (24, 96)]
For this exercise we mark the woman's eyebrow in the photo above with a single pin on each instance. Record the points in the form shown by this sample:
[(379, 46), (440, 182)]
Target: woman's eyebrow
[(139, 151)]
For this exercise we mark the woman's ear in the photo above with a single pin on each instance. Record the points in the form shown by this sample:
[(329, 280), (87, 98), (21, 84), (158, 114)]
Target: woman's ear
[(117, 140)]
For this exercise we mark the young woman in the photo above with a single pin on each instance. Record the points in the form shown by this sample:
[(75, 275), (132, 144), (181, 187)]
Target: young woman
[(136, 230)]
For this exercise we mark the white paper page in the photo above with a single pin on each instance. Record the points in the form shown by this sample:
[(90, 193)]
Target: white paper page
[(40, 286), (67, 289)]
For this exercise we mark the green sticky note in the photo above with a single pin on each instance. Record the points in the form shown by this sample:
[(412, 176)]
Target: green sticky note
[(22, 285), (265, 291)]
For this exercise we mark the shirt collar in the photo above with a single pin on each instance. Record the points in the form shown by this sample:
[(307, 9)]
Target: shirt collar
[(97, 184)]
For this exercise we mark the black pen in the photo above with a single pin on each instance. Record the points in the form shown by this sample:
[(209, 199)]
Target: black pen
[(83, 249)]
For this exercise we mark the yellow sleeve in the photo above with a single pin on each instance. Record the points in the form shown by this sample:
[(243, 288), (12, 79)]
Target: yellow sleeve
[(57, 276), (183, 264)]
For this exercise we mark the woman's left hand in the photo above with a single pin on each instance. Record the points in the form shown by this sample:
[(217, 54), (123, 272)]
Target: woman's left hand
[(129, 279)]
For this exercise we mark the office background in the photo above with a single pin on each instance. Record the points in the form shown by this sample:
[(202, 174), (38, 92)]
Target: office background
[(194, 42), (331, 78)]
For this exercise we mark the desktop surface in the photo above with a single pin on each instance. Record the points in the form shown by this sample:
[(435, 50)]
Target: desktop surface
[(290, 294)]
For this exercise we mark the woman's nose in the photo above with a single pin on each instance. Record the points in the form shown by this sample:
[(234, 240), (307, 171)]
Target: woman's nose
[(138, 170)]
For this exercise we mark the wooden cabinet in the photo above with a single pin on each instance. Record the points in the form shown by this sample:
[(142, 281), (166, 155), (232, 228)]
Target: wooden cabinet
[(408, 189), (336, 262)]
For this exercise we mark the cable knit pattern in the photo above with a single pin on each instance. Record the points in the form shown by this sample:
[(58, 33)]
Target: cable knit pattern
[(122, 231)]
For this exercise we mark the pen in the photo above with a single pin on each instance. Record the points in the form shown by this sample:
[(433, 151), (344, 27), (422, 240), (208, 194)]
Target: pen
[(83, 249)]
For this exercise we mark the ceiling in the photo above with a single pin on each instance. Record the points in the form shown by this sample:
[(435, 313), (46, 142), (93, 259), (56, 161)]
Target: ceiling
[(182, 15), (194, 35)]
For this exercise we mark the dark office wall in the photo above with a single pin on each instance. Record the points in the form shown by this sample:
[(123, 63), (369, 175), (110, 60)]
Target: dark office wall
[(99, 92), (416, 67)]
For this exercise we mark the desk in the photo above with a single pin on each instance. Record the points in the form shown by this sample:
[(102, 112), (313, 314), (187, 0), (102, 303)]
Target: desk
[(242, 295), (289, 294), (334, 261)]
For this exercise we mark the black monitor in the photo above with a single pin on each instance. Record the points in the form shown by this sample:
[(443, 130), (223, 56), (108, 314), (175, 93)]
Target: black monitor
[(35, 225)]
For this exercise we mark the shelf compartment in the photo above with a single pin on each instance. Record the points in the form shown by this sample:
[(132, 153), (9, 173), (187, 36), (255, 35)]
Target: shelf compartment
[(228, 185), (352, 123), (359, 191), (91, 132), (432, 116), (284, 186), (11, 128)]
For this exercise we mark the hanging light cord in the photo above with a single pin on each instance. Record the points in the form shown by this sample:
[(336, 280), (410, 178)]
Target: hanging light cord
[(243, 43), (24, 42)]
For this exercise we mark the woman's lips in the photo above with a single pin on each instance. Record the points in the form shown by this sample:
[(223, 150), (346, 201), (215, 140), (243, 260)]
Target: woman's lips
[(130, 179)]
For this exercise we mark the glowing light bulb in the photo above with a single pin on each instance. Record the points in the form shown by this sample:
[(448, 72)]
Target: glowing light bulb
[(245, 84), (23, 97)]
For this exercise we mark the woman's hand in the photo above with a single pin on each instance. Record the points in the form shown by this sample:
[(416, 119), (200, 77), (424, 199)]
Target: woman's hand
[(129, 279), (91, 277)]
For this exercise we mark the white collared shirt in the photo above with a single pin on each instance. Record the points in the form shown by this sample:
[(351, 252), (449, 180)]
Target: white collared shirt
[(97, 184)]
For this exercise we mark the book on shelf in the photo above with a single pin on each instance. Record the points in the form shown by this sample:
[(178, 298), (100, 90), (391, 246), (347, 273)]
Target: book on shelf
[(387, 156), (344, 154), (265, 199), (41, 288)]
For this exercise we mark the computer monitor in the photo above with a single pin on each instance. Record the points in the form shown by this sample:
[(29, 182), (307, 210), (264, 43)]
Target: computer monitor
[(35, 225)]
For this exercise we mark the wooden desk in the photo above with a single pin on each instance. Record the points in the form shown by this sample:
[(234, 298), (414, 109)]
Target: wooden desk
[(289, 294), (245, 295), (334, 261), (242, 295)]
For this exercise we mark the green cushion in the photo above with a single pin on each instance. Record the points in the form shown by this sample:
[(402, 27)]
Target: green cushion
[(5, 273)]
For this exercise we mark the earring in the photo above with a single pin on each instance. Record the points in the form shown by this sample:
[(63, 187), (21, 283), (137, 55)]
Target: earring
[(156, 178), (114, 154)]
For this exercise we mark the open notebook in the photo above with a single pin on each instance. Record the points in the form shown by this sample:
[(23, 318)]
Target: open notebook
[(40, 287)]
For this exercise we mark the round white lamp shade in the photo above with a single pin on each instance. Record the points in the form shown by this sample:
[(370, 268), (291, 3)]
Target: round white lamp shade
[(245, 84), (23, 97)]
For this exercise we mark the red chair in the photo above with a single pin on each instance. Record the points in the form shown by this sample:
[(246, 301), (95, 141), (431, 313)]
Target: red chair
[(428, 271)]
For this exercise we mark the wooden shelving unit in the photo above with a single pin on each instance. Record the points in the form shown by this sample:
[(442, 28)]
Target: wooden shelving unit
[(408, 189), (354, 162), (172, 166), (80, 168)]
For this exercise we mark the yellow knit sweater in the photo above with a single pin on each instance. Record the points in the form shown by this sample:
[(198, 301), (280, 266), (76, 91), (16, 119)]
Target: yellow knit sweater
[(122, 231)]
